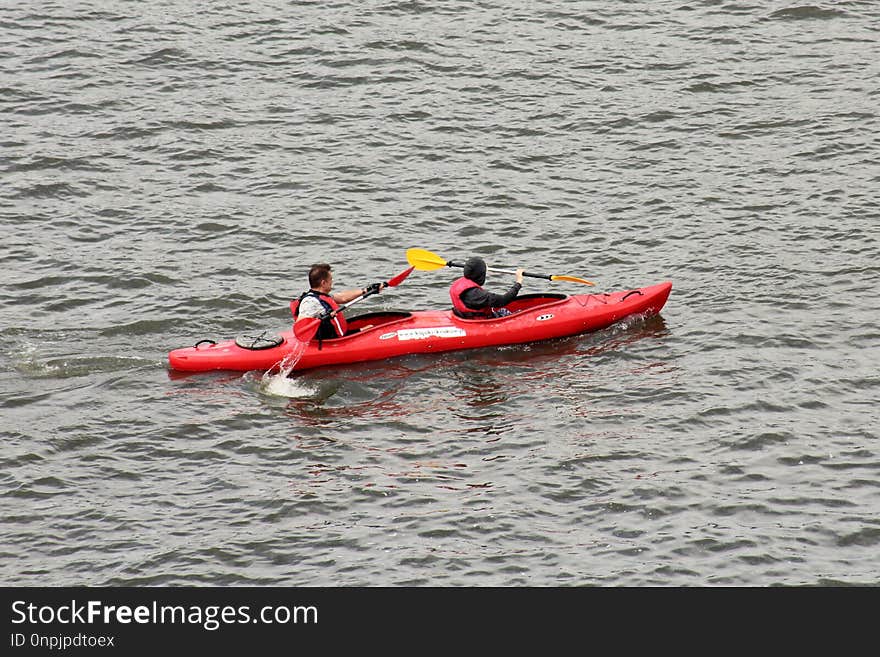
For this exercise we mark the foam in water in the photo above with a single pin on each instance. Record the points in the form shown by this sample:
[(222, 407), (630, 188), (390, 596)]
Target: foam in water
[(280, 384)]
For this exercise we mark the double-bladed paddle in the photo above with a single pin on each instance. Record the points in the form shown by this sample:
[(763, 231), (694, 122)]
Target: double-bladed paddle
[(305, 328), (427, 261)]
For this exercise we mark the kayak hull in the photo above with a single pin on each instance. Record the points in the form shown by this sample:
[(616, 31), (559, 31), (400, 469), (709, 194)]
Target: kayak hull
[(381, 335)]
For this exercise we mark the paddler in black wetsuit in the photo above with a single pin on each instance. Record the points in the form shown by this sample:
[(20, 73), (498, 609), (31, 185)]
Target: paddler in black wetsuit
[(471, 301)]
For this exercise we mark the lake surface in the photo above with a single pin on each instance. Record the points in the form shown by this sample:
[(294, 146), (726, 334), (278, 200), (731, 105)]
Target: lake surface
[(169, 171)]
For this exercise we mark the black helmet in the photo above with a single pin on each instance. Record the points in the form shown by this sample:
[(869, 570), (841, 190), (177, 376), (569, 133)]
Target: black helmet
[(475, 270)]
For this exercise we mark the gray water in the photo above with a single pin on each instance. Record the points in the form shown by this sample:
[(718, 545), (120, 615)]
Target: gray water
[(169, 170)]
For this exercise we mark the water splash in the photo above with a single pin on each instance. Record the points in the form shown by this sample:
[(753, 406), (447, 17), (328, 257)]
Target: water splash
[(280, 384)]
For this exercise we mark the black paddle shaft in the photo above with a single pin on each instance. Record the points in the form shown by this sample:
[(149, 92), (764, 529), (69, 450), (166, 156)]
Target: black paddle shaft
[(452, 263)]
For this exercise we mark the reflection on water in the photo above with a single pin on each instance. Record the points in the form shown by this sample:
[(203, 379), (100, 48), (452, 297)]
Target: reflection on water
[(490, 396), (487, 383)]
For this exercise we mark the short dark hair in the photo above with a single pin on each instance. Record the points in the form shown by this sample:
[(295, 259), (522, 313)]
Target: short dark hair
[(318, 274)]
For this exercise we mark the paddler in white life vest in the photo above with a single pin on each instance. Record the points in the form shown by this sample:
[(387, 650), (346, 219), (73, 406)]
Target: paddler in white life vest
[(318, 300), (471, 301)]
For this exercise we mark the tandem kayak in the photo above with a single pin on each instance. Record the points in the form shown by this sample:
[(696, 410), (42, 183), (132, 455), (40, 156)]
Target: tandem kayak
[(387, 334)]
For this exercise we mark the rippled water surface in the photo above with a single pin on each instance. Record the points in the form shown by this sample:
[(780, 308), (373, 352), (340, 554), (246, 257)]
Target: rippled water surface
[(169, 170)]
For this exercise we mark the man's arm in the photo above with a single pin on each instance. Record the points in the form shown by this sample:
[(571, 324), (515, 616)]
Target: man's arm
[(351, 295), (347, 295)]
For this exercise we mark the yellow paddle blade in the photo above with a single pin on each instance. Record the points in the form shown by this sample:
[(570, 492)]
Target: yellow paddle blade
[(424, 260), (571, 279)]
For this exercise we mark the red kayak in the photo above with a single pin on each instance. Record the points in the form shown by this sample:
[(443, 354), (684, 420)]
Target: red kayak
[(381, 335)]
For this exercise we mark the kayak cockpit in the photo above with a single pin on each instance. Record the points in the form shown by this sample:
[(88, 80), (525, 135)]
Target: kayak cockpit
[(367, 321), (529, 301), (521, 303)]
